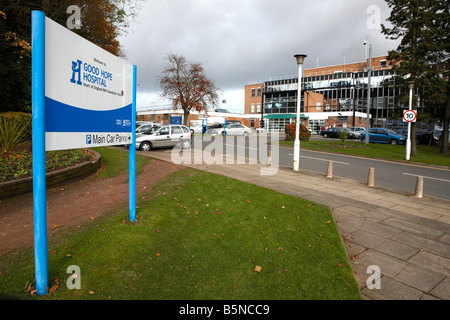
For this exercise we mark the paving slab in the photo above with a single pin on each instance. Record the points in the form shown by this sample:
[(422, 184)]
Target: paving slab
[(442, 290), (389, 266), (413, 228), (424, 280), (432, 262), (439, 248), (397, 249), (392, 290)]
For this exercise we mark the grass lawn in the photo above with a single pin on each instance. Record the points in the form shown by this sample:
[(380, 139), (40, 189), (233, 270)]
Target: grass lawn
[(425, 154), (197, 236), (116, 162)]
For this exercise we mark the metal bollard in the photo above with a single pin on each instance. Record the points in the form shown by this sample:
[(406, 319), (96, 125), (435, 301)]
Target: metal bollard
[(419, 187), (371, 177), (330, 169)]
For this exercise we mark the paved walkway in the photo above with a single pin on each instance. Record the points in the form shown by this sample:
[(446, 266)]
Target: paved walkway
[(406, 237)]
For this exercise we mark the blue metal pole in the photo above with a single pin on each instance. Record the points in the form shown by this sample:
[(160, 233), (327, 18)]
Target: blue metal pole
[(132, 154), (38, 143)]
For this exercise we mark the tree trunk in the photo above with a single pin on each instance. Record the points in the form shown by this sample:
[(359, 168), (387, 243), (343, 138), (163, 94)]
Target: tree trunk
[(185, 118), (413, 139), (444, 135)]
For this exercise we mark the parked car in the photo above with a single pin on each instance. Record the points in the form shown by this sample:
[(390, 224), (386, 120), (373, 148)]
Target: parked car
[(145, 126), (335, 133), (196, 128), (422, 137), (437, 135), (356, 134), (357, 129), (381, 135), (235, 129), (163, 137)]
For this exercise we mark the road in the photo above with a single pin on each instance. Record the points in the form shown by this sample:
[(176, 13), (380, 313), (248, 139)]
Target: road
[(396, 175)]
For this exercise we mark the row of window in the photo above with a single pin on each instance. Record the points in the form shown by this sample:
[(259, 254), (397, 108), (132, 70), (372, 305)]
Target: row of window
[(258, 92), (252, 108), (338, 75)]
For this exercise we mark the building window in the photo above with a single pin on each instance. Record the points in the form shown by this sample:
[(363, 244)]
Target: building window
[(318, 106), (259, 92), (258, 108), (252, 108), (383, 63), (253, 92)]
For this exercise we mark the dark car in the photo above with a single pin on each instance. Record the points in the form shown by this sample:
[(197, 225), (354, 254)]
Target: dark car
[(422, 137), (336, 132)]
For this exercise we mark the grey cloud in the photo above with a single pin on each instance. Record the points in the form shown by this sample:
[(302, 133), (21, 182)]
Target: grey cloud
[(238, 41)]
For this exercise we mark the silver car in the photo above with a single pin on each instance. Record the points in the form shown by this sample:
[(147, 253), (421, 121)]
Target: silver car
[(165, 136), (235, 130)]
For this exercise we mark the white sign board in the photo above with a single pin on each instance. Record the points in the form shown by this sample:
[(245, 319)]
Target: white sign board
[(88, 93), (410, 116)]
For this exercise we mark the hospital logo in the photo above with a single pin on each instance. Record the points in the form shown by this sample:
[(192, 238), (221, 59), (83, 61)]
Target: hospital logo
[(76, 72)]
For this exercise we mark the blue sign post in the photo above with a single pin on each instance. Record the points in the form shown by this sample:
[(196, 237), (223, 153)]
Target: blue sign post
[(132, 155), (38, 143)]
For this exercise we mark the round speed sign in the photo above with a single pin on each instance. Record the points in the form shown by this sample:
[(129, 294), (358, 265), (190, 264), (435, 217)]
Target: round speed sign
[(410, 115)]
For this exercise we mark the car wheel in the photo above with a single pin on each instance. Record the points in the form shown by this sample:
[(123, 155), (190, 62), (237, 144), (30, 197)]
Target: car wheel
[(224, 133), (325, 135), (186, 144), (394, 141), (145, 146)]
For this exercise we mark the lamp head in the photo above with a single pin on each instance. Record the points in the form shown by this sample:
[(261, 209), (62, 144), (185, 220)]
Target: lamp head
[(300, 58)]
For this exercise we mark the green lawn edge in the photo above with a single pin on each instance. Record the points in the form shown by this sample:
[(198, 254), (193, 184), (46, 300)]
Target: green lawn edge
[(197, 236)]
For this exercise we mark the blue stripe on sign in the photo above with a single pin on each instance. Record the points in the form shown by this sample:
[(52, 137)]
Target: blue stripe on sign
[(60, 117)]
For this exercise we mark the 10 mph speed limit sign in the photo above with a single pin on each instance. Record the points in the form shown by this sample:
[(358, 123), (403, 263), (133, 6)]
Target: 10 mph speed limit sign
[(410, 115)]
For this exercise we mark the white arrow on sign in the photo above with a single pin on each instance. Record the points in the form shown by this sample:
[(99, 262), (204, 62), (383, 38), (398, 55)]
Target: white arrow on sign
[(410, 115)]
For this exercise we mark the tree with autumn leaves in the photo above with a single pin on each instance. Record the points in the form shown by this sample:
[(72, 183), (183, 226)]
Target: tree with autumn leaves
[(102, 21), (187, 86)]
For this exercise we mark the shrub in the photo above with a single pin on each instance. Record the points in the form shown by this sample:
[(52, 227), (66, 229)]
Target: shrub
[(342, 135), (304, 133), (15, 128)]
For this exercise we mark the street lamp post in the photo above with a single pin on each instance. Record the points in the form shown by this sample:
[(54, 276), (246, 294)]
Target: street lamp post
[(300, 59), (408, 141), (369, 71)]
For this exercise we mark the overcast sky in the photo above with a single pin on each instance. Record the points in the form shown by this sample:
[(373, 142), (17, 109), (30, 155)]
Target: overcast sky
[(242, 41)]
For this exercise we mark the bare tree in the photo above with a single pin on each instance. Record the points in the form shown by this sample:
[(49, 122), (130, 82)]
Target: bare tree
[(187, 86)]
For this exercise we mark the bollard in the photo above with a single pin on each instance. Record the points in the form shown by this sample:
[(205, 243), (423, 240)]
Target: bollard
[(419, 187), (330, 169), (269, 158), (371, 177)]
